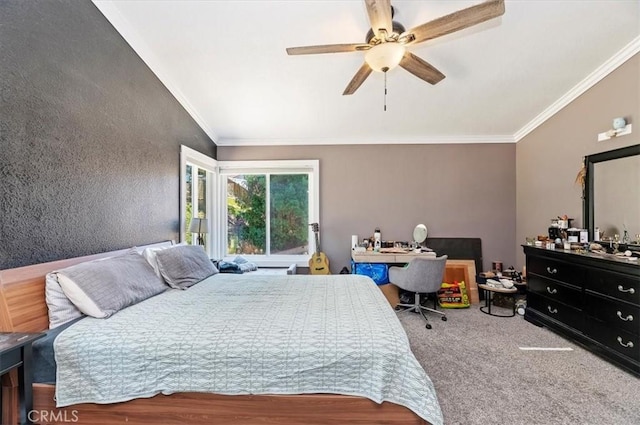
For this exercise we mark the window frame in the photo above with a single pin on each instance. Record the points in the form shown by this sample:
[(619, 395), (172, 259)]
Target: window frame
[(310, 167), (194, 158)]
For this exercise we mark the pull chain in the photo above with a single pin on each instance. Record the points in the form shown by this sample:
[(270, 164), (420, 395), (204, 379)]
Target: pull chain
[(385, 91)]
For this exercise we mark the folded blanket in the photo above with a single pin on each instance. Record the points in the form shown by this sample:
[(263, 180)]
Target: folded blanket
[(227, 267), (244, 264)]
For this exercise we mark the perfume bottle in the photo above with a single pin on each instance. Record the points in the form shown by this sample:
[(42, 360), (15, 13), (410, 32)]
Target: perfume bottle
[(625, 237), (377, 240)]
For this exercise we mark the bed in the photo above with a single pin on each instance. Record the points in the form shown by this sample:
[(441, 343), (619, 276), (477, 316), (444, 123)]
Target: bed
[(274, 400)]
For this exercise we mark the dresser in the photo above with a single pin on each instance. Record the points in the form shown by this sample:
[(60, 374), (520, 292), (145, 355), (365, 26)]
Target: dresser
[(591, 299)]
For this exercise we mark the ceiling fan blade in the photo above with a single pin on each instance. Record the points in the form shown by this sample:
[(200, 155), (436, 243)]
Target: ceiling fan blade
[(456, 21), (379, 12), (327, 48), (357, 79), (421, 68)]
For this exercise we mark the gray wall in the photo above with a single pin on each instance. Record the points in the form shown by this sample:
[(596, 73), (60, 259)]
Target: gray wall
[(549, 158), (89, 137), (455, 190)]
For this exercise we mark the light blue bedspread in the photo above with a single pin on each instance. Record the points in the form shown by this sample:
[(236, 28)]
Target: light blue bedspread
[(244, 334)]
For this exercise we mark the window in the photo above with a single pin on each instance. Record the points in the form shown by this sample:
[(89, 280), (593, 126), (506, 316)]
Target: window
[(269, 205), (258, 209), (283, 229), (198, 177)]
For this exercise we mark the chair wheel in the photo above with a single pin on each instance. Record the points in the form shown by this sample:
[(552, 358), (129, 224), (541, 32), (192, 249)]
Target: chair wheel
[(444, 318), (428, 326)]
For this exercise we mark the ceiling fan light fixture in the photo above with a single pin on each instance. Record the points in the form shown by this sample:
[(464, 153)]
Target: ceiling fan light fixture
[(385, 56)]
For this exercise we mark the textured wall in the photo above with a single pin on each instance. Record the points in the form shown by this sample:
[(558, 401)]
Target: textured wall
[(89, 137), (455, 190), (549, 158)]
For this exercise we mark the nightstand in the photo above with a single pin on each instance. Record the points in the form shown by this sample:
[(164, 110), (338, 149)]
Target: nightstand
[(15, 352)]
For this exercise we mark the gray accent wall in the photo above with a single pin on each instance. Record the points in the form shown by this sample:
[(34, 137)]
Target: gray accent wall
[(549, 158), (465, 190), (89, 137)]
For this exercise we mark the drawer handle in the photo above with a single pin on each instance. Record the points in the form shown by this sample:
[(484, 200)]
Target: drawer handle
[(629, 317), (552, 271), (630, 290), (625, 344), (552, 291), (552, 310)]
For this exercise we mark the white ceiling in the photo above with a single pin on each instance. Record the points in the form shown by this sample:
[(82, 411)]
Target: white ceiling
[(225, 61)]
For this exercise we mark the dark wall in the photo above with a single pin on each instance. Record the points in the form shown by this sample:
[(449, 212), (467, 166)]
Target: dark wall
[(89, 137)]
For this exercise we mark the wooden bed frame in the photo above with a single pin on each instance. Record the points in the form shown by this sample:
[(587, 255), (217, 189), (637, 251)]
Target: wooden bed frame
[(23, 309)]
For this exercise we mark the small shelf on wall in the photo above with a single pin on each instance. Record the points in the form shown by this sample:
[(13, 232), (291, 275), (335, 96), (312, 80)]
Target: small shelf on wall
[(610, 134)]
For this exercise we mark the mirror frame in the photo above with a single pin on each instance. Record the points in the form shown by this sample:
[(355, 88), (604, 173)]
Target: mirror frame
[(589, 161)]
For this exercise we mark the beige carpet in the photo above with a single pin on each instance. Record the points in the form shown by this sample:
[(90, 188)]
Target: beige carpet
[(482, 377)]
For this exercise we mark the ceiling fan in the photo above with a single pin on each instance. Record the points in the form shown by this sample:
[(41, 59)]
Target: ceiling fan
[(387, 39)]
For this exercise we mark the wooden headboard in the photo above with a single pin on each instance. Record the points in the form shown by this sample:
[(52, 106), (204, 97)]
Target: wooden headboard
[(22, 301)]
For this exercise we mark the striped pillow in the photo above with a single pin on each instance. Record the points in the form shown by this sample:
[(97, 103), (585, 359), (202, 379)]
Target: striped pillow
[(61, 309), (104, 287)]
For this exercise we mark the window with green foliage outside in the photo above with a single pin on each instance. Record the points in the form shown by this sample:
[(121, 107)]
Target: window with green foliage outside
[(267, 214)]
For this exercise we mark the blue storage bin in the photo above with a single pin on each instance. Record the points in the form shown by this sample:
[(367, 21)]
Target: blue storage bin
[(379, 272)]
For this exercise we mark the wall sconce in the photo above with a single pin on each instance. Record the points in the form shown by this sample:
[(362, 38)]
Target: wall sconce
[(199, 226), (620, 128)]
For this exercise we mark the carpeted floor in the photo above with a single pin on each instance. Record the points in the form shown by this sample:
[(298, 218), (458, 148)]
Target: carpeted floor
[(482, 377)]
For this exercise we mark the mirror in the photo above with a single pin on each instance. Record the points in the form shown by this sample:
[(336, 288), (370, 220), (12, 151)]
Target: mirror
[(420, 234), (611, 193)]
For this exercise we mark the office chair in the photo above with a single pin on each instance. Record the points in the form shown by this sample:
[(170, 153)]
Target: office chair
[(421, 276)]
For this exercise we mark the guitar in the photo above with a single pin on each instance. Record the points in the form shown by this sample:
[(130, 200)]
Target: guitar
[(318, 263)]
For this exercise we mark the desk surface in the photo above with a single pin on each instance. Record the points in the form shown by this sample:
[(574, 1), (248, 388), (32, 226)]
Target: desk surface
[(12, 340), (495, 289), (388, 257)]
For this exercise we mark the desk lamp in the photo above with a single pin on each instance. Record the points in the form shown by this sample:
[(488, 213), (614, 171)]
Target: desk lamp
[(199, 226)]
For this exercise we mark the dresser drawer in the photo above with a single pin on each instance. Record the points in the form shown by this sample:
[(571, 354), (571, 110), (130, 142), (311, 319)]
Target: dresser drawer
[(556, 310), (624, 287), (556, 270), (555, 291), (623, 342), (618, 314)]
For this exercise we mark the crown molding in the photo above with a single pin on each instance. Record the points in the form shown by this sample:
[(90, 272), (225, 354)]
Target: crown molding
[(432, 140), (592, 79), (130, 36), (110, 11)]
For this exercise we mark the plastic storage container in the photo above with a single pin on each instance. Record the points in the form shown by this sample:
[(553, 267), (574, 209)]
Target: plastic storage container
[(379, 272)]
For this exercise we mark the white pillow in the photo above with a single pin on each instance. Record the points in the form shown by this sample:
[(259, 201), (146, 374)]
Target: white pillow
[(61, 309)]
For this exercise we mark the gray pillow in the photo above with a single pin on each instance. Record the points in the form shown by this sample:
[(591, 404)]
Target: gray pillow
[(104, 287), (184, 266)]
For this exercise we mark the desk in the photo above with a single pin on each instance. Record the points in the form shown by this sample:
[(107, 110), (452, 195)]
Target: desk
[(455, 270), (15, 352), (388, 257), (376, 264)]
